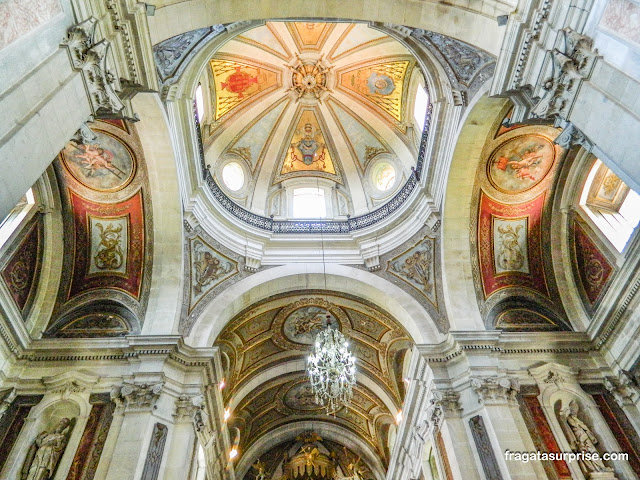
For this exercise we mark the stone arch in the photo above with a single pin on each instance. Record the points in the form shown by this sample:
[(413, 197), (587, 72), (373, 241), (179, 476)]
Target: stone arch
[(467, 24), (165, 295), (458, 282), (288, 278), (326, 430)]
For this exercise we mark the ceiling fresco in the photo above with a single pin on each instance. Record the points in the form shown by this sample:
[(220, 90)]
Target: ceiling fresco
[(107, 220), (379, 83), (20, 267), (594, 271), (298, 99), (259, 341), (511, 235), (236, 83)]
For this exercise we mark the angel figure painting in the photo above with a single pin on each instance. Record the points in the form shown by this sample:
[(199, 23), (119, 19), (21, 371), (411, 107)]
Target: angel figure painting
[(105, 165), (520, 163), (45, 452), (209, 268)]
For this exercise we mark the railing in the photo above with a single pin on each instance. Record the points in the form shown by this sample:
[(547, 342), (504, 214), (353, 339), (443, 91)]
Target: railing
[(316, 226)]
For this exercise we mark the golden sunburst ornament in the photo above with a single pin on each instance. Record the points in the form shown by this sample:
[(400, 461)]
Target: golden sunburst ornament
[(308, 79)]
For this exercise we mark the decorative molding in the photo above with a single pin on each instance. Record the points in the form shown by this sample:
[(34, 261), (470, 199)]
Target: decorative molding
[(496, 390), (7, 397), (445, 403), (154, 454), (84, 135), (187, 406), (69, 382), (484, 448), (624, 388), (136, 398), (90, 58), (571, 136)]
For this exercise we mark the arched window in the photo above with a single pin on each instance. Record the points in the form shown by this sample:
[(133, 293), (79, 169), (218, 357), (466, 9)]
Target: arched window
[(309, 202), (199, 100), (420, 107), (611, 204), (16, 216)]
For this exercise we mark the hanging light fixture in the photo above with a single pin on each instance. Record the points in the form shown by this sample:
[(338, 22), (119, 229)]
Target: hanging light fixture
[(331, 369)]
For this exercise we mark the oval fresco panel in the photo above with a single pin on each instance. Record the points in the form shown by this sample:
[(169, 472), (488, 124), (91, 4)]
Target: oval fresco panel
[(105, 165), (302, 324), (520, 163)]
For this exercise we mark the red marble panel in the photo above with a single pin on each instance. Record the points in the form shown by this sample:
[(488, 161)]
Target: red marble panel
[(443, 455), (84, 279), (491, 209), (544, 432), (20, 273), (593, 267), (619, 431), (87, 456)]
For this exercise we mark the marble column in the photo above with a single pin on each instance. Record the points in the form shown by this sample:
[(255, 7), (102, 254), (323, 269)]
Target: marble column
[(135, 403), (447, 418), (498, 395), (180, 446)]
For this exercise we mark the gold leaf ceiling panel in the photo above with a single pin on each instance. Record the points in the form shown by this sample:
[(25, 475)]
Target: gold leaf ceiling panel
[(307, 150), (380, 83), (237, 82)]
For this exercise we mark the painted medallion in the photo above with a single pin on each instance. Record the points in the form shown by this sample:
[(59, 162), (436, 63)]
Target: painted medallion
[(520, 163), (105, 165), (302, 325)]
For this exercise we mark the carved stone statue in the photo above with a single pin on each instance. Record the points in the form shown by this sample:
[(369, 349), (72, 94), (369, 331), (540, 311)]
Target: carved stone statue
[(583, 440), (44, 455)]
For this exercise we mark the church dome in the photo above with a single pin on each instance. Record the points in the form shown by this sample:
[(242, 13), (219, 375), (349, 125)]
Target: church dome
[(311, 120)]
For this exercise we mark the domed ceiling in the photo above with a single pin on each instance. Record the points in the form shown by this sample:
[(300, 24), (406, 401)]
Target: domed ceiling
[(311, 104)]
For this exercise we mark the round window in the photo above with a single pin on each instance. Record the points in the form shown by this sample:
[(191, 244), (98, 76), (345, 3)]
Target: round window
[(383, 176), (233, 176)]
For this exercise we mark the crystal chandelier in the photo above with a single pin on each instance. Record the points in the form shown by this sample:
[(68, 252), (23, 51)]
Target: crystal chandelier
[(331, 369)]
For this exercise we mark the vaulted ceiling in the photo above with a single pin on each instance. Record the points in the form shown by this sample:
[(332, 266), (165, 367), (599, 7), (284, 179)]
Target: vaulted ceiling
[(311, 100), (265, 349)]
